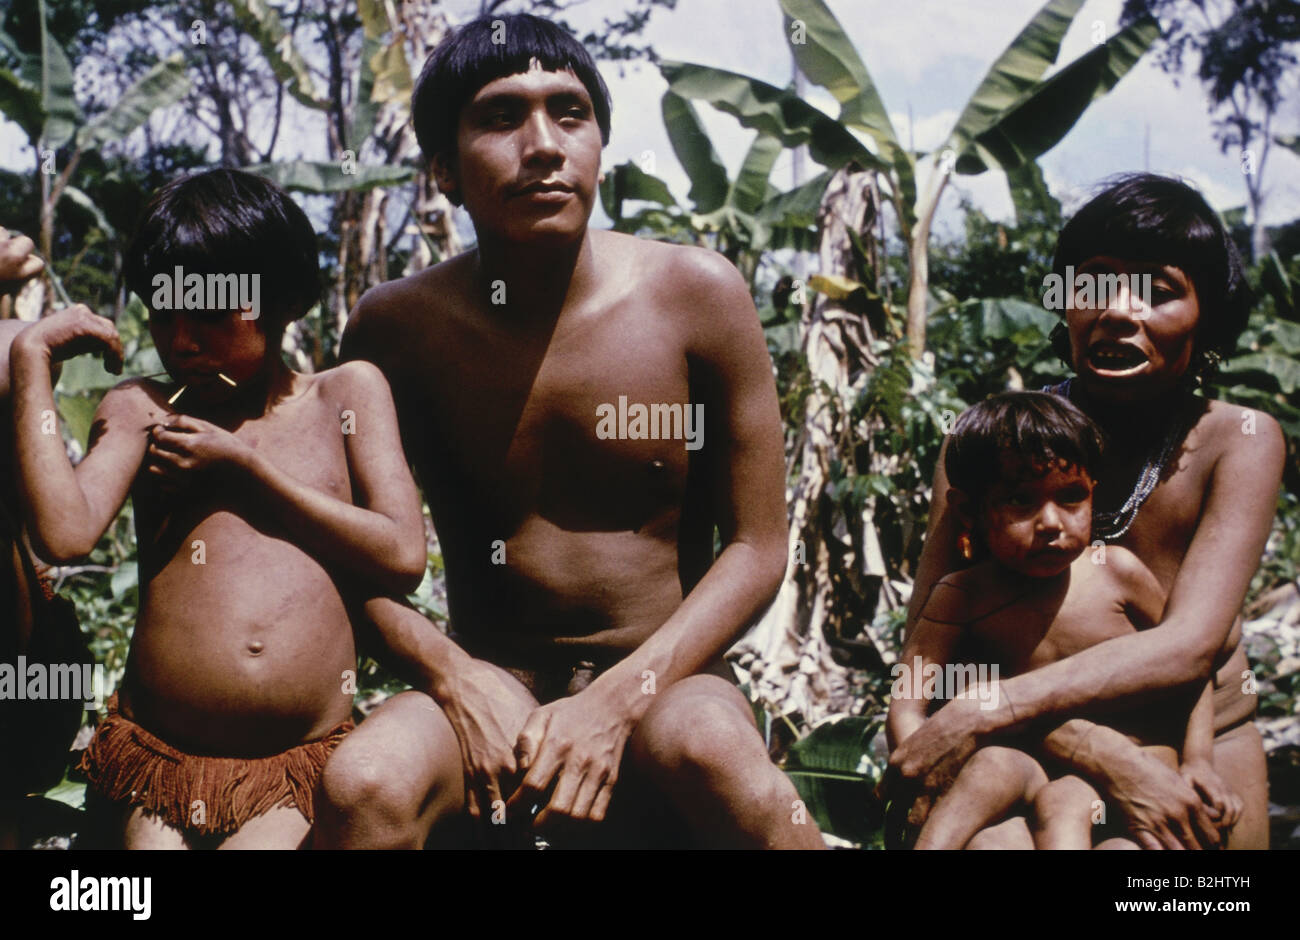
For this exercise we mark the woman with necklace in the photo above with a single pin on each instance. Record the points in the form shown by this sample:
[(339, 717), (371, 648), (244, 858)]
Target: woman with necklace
[(1188, 484)]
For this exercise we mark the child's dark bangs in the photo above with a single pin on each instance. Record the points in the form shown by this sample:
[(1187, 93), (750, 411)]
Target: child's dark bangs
[(227, 223)]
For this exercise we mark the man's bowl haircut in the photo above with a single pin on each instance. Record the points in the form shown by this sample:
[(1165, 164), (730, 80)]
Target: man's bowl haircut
[(469, 58), (1156, 219), (229, 222), (1036, 428)]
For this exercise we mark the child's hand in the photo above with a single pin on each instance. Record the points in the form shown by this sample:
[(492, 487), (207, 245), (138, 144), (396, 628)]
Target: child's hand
[(71, 332), (1224, 804), (187, 444)]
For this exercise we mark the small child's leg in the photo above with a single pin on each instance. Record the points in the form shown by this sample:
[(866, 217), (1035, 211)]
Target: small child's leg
[(992, 782), (1063, 814), (1010, 834), (1118, 842)]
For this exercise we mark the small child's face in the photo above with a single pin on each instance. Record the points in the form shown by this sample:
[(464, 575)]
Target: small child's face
[(1133, 346), (1037, 523), (196, 345)]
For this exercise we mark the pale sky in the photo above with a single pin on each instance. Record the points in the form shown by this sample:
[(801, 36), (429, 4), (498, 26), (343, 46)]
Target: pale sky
[(926, 55)]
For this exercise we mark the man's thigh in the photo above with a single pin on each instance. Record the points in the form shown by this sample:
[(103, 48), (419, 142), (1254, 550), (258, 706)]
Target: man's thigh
[(396, 780)]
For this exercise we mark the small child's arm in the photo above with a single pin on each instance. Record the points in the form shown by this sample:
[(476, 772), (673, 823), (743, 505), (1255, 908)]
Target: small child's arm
[(934, 639), (1198, 763), (67, 509)]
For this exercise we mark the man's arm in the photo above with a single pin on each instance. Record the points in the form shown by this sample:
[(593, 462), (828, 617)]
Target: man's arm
[(743, 435), (486, 710), (1205, 599), (744, 432)]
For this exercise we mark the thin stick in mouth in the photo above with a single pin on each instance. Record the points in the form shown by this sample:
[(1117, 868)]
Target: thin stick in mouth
[(227, 379), (178, 393)]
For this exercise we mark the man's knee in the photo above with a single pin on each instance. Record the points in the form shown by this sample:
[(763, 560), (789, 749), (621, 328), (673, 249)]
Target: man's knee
[(355, 783), (392, 778), (697, 728)]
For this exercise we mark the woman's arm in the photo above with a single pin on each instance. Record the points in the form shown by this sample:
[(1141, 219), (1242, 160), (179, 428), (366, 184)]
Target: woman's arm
[(1160, 808)]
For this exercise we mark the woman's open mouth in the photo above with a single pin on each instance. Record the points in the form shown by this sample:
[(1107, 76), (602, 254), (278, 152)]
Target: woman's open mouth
[(1115, 358)]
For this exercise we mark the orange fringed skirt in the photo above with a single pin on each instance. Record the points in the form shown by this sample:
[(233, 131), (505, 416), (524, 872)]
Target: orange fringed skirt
[(199, 794)]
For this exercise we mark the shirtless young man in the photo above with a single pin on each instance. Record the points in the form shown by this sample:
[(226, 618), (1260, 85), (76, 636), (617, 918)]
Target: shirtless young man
[(579, 559), (265, 502), (1201, 530)]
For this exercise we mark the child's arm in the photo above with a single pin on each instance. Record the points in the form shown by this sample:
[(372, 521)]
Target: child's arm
[(68, 509), (1198, 763), (934, 639), (380, 539)]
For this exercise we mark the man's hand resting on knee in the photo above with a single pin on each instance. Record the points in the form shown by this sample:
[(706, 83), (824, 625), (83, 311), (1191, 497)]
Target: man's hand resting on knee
[(577, 743)]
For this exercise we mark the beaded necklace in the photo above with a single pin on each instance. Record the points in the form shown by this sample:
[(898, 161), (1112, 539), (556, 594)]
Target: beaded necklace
[(1112, 526)]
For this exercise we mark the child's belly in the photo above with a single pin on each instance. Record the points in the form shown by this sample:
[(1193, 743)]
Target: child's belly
[(244, 653)]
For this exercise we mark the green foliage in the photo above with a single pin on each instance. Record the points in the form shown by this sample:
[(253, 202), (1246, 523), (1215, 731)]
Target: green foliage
[(836, 774), (312, 177)]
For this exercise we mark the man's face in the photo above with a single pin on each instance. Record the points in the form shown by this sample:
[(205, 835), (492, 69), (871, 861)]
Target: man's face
[(528, 157), (1037, 523), (1132, 350)]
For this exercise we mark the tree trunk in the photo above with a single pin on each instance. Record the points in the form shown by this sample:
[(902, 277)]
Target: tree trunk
[(788, 654)]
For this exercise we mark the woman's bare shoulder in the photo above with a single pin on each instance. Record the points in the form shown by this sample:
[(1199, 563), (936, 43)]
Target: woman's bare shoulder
[(1242, 435)]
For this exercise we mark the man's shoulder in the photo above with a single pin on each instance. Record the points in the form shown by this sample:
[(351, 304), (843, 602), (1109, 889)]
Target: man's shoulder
[(690, 268), (410, 300), (698, 290)]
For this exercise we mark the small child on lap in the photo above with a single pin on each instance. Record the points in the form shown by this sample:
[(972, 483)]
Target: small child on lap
[(1022, 470), (268, 505)]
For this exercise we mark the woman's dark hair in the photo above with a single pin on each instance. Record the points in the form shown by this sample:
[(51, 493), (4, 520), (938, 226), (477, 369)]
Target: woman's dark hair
[(1157, 219), (484, 50), (1036, 428), (228, 222)]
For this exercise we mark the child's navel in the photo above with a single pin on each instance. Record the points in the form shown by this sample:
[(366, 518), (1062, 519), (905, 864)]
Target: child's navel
[(255, 647)]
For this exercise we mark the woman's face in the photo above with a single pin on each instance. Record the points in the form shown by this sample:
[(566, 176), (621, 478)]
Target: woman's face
[(1130, 347)]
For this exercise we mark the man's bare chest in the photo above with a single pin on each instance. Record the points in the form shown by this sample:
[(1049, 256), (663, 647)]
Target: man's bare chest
[(595, 403)]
